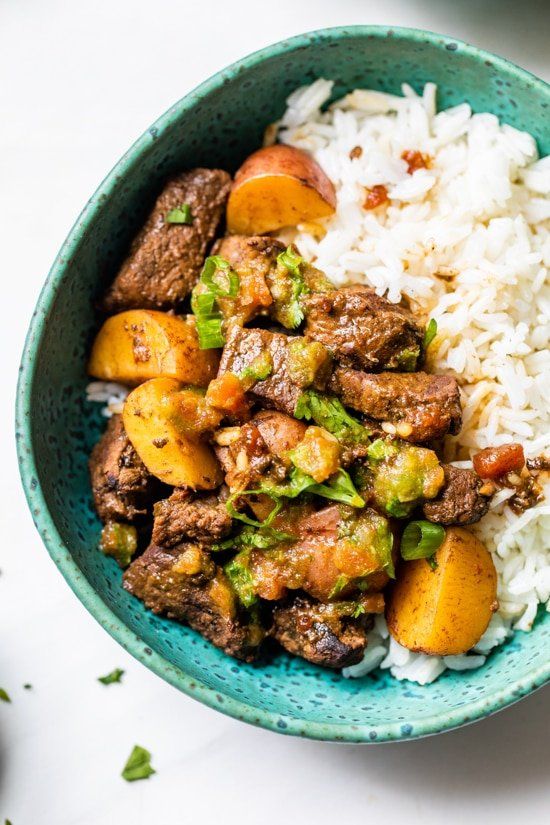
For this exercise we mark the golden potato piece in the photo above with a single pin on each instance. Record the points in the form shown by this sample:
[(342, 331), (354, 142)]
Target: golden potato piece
[(150, 419), (444, 611), (140, 344), (278, 186)]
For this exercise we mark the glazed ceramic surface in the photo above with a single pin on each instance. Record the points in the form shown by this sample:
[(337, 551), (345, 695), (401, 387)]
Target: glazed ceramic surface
[(218, 124)]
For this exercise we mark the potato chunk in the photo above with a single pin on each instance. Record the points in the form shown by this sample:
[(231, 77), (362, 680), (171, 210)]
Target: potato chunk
[(278, 186), (444, 611), (140, 344), (152, 420)]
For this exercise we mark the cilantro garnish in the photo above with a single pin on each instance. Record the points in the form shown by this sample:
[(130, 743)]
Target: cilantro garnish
[(112, 677), (138, 765)]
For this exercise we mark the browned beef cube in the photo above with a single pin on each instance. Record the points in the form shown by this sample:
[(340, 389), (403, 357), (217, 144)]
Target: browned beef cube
[(460, 500), (259, 448), (286, 381), (165, 258), (183, 583), (266, 286), (253, 259), (256, 253), (184, 516), (427, 405), (122, 487), (363, 330), (318, 633)]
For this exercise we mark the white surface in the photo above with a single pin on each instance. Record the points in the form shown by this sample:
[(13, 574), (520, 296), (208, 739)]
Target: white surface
[(79, 81)]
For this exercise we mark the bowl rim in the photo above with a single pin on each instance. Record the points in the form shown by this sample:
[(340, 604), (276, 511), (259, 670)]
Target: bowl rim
[(59, 551)]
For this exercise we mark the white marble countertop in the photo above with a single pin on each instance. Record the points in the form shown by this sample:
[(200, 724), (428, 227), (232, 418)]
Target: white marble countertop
[(79, 82)]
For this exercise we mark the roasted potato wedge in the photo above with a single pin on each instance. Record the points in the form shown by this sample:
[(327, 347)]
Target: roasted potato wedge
[(444, 611), (140, 344), (152, 420), (278, 186)]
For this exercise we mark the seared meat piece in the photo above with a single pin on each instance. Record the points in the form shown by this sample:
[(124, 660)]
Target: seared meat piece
[(122, 487), (253, 259), (319, 633), (250, 252), (183, 516), (427, 405), (257, 452), (363, 330), (183, 583), (460, 500), (294, 365), (165, 258), (266, 287)]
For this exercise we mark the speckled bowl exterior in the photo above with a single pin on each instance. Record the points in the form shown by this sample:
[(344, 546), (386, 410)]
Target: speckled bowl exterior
[(219, 124)]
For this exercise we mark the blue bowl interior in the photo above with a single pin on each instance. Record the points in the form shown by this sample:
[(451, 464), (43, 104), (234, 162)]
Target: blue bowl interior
[(218, 125)]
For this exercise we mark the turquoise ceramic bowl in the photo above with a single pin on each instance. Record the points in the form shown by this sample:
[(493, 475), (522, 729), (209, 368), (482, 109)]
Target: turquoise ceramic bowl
[(219, 124)]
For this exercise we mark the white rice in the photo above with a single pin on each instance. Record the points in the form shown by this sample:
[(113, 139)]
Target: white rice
[(109, 393), (468, 242)]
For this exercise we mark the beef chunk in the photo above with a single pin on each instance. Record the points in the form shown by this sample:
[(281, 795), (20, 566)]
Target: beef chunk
[(317, 632), (245, 252), (363, 330), (260, 448), (266, 285), (254, 259), (122, 487), (426, 406), (165, 259), (257, 453), (184, 516), (295, 365), (183, 583), (460, 500)]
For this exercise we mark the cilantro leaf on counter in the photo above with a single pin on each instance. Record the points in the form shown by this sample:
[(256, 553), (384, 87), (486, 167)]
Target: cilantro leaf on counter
[(112, 677), (4, 696), (138, 765)]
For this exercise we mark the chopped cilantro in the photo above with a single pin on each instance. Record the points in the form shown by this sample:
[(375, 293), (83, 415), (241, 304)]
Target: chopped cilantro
[(328, 412), (4, 696), (241, 578), (338, 487), (112, 677), (431, 332), (180, 214), (407, 359), (260, 369), (339, 585), (381, 449), (138, 765), (293, 314), (358, 610)]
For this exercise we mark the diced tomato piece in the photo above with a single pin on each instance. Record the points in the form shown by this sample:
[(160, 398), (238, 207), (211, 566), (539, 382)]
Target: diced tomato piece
[(254, 291), (375, 197), (226, 393), (415, 160), (494, 462)]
